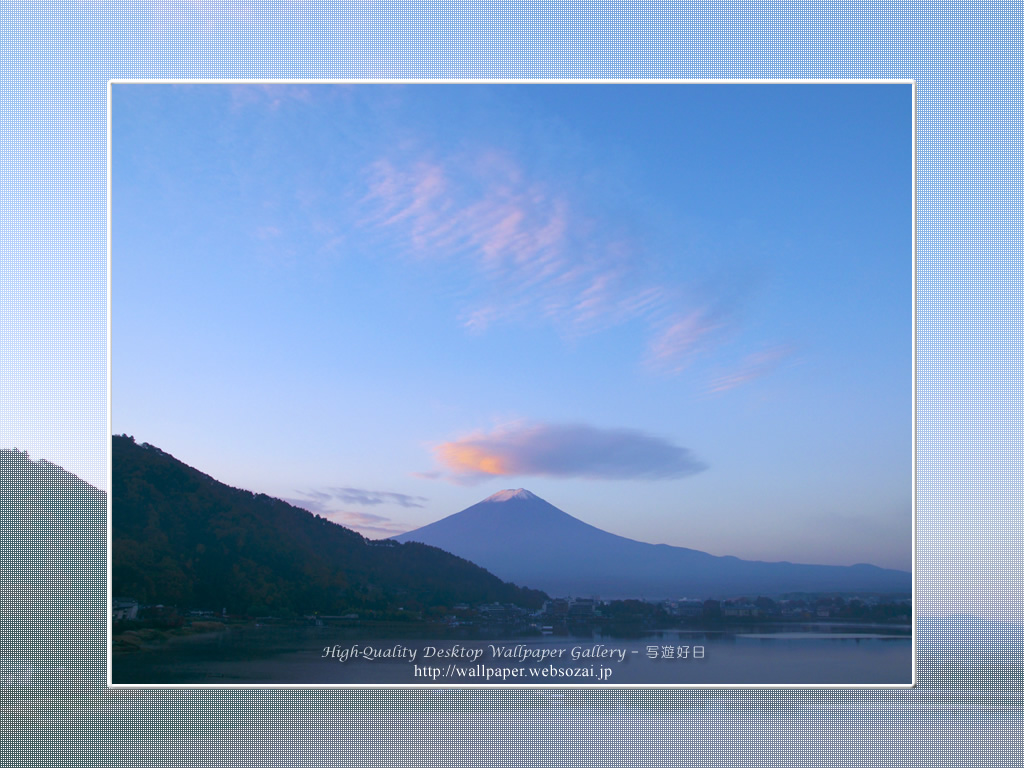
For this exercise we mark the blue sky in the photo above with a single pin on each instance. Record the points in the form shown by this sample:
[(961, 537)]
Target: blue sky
[(681, 313)]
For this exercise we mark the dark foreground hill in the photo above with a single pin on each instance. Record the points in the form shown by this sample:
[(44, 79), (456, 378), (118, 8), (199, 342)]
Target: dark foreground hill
[(521, 537), (182, 538)]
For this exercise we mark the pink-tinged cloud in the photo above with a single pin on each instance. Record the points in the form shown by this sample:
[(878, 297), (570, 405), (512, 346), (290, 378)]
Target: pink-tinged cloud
[(362, 496), (565, 450), (753, 367), (528, 253), (366, 523), (686, 336), (373, 498), (414, 199)]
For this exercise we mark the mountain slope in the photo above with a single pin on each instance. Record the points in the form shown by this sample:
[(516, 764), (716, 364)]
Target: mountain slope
[(519, 536), (182, 538), (52, 546)]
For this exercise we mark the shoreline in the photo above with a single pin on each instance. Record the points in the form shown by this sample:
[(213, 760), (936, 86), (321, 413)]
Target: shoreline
[(129, 640)]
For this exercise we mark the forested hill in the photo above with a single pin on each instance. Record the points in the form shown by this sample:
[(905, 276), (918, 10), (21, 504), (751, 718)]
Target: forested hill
[(182, 538), (53, 533)]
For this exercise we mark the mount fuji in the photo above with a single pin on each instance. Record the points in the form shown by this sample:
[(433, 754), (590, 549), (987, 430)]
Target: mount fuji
[(519, 537)]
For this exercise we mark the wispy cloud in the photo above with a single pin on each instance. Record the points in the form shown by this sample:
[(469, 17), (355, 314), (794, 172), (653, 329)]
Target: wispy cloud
[(365, 523), (363, 497), (432, 475), (683, 338), (528, 250), (565, 450), (368, 524), (372, 498), (752, 367)]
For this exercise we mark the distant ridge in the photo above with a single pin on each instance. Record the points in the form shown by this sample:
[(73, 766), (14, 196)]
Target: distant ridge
[(520, 537)]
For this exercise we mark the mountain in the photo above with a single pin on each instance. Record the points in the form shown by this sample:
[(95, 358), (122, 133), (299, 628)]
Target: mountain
[(53, 550), (182, 538), (520, 537)]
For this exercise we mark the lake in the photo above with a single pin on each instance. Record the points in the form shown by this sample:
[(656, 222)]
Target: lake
[(825, 654)]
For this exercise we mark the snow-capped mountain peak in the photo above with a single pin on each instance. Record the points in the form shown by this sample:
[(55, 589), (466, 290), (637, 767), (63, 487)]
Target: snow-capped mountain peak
[(509, 494)]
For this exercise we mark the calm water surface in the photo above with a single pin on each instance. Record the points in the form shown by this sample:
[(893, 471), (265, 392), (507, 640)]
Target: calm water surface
[(808, 654)]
